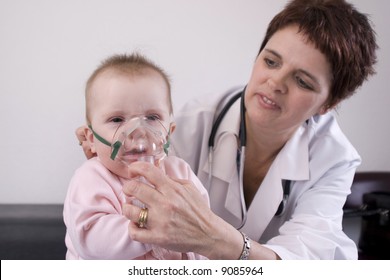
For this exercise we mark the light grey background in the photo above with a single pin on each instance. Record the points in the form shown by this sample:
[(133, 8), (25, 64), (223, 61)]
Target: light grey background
[(49, 48)]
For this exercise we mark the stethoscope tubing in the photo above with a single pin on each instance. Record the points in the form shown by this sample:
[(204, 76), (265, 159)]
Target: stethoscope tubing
[(242, 137)]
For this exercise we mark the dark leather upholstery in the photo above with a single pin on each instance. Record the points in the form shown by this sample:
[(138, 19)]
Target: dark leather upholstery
[(365, 182), (32, 232), (353, 224)]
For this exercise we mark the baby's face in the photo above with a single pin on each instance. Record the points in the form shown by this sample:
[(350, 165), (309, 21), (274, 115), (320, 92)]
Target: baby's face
[(115, 98)]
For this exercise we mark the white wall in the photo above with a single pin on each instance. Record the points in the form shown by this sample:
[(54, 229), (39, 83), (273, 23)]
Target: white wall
[(49, 48)]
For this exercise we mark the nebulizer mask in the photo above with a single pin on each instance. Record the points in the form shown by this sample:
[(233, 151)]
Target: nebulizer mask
[(141, 138)]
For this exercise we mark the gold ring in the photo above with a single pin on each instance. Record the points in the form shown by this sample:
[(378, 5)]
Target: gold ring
[(143, 217)]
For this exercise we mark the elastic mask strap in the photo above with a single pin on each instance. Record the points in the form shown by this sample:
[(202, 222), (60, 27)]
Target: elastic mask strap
[(115, 147), (166, 145)]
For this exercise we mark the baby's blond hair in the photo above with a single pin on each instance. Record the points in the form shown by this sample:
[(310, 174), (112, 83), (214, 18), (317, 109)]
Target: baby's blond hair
[(133, 64)]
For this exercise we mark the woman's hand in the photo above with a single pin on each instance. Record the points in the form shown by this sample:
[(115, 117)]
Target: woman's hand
[(178, 217), (82, 137)]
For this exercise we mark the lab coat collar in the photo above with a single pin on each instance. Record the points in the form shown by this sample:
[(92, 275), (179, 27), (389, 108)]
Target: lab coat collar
[(226, 145), (293, 159)]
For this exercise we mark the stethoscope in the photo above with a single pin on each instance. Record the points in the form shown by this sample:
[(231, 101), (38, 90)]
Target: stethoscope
[(241, 156)]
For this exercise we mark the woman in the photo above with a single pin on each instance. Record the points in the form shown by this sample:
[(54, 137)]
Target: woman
[(279, 168)]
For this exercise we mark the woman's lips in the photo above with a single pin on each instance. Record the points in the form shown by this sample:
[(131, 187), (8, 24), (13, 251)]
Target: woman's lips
[(267, 102)]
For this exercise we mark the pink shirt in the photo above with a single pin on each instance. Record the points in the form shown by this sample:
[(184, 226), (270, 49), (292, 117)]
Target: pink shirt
[(96, 228)]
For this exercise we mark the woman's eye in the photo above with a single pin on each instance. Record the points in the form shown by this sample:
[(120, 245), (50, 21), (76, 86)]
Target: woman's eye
[(270, 62), (303, 84)]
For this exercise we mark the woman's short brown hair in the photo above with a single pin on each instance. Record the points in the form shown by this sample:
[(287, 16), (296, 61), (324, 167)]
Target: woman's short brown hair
[(344, 35)]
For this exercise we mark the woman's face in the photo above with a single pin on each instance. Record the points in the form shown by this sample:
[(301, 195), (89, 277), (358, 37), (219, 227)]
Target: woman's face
[(290, 82)]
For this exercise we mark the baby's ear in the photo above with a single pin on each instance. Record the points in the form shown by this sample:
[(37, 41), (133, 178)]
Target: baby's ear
[(172, 127), (90, 138)]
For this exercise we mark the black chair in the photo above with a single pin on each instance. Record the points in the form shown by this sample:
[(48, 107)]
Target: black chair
[(362, 224), (32, 232), (365, 182)]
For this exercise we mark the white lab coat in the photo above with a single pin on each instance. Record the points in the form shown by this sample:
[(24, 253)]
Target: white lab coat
[(318, 159)]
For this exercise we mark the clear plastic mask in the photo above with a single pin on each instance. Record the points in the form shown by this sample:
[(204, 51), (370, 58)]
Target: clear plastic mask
[(140, 138)]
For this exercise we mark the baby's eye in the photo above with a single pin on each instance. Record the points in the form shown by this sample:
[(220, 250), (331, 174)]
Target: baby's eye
[(152, 117), (116, 120)]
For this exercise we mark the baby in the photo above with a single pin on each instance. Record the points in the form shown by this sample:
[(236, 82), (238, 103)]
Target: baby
[(129, 117)]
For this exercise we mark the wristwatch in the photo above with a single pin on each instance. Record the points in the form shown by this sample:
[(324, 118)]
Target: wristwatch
[(246, 248)]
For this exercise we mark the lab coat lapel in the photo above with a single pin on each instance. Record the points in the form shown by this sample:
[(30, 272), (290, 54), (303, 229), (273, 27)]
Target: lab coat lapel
[(224, 159), (264, 204), (293, 160), (292, 163)]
